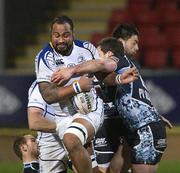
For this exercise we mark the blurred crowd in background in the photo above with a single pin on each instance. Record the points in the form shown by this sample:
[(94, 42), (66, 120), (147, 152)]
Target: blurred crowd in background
[(25, 28)]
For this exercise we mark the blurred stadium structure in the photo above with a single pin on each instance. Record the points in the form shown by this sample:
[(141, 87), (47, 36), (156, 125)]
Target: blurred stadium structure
[(25, 29)]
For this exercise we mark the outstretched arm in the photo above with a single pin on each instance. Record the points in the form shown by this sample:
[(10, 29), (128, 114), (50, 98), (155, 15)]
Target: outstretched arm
[(104, 67), (91, 66)]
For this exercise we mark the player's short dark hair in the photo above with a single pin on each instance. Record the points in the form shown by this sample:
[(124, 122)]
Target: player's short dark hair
[(125, 31), (62, 20), (111, 44), (16, 145)]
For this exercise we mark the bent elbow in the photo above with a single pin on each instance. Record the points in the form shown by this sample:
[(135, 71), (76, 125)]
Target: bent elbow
[(48, 98)]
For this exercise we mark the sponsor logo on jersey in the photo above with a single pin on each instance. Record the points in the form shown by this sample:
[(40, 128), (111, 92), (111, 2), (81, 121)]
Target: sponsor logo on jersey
[(99, 142), (160, 143), (81, 59), (59, 61), (71, 65)]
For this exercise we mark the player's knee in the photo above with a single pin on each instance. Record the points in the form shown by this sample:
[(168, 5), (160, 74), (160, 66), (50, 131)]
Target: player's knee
[(76, 135), (71, 142)]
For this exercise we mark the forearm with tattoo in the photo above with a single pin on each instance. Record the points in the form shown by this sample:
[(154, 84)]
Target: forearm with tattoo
[(52, 93), (49, 92)]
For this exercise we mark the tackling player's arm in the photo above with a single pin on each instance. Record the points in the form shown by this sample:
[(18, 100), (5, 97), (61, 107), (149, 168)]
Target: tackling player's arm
[(91, 66), (102, 69)]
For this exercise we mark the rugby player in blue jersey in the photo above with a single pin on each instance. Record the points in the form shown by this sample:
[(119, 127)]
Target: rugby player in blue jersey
[(146, 130), (128, 36)]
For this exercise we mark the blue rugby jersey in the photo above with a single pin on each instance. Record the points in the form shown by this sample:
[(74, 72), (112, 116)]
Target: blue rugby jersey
[(133, 100)]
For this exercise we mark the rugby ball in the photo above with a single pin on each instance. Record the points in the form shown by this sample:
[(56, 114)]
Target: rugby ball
[(83, 102)]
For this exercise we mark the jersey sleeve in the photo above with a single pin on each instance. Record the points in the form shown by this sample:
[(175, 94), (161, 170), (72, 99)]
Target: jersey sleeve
[(34, 97), (92, 49), (44, 66), (122, 64)]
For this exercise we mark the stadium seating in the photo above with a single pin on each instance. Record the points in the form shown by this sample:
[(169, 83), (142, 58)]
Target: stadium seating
[(136, 8), (154, 40), (176, 59), (173, 35), (119, 16), (166, 6), (155, 58), (148, 17), (159, 24), (96, 37), (140, 1), (148, 29), (170, 18)]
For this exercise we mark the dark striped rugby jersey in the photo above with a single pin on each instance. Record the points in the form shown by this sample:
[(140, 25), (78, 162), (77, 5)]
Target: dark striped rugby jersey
[(32, 167), (133, 100)]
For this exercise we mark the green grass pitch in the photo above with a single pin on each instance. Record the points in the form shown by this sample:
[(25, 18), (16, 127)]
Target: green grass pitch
[(166, 166)]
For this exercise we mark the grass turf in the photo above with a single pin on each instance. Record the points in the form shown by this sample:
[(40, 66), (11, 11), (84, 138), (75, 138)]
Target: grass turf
[(166, 166), (169, 166)]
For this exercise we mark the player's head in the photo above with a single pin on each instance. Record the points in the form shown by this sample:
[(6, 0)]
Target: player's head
[(110, 46), (25, 146), (62, 34), (128, 35)]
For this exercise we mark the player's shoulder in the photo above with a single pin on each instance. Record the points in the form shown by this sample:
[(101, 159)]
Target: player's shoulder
[(86, 45), (47, 50), (123, 62)]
